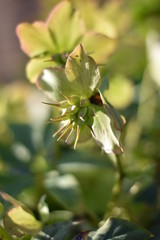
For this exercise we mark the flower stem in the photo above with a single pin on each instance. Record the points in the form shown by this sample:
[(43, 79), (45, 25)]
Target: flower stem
[(121, 174), (119, 168)]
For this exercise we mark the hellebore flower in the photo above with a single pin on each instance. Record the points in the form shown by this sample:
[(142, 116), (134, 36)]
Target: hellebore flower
[(47, 43), (75, 90)]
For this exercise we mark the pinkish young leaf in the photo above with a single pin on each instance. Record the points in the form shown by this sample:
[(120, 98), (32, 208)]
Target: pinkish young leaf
[(35, 38)]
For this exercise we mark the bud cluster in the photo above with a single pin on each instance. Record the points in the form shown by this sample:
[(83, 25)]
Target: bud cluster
[(76, 113)]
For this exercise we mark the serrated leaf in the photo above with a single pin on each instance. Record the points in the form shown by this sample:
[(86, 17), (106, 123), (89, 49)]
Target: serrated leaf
[(4, 235), (19, 221), (119, 229)]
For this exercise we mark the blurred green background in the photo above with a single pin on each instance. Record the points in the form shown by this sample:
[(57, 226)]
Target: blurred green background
[(82, 183)]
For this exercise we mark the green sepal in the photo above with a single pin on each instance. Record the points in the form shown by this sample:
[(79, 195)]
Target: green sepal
[(82, 72), (55, 84), (118, 121), (104, 134), (35, 66)]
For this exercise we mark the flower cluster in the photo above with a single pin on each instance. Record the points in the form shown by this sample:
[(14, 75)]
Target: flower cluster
[(72, 80), (75, 90)]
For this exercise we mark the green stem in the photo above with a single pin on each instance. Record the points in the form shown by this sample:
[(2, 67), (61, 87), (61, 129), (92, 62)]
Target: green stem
[(120, 175), (117, 189), (119, 168)]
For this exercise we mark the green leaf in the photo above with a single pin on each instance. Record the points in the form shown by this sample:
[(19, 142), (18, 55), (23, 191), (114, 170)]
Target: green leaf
[(56, 231), (99, 46), (4, 235), (36, 65), (81, 70), (65, 189), (65, 26), (35, 39), (121, 91), (104, 134), (91, 168), (19, 221), (119, 229), (53, 81)]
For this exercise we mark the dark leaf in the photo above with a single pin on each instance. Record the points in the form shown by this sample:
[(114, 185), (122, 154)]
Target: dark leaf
[(119, 229), (56, 231)]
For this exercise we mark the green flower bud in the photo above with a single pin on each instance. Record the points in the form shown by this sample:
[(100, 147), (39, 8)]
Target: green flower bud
[(82, 113)]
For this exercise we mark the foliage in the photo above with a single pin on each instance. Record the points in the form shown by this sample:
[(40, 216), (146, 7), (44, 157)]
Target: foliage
[(48, 189)]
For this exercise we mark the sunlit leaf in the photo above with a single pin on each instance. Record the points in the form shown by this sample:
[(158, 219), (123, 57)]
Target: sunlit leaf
[(35, 38), (65, 26), (119, 229), (19, 221), (99, 46), (121, 91), (126, 52), (114, 19)]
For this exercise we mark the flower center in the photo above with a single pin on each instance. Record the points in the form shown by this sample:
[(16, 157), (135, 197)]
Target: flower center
[(76, 113)]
